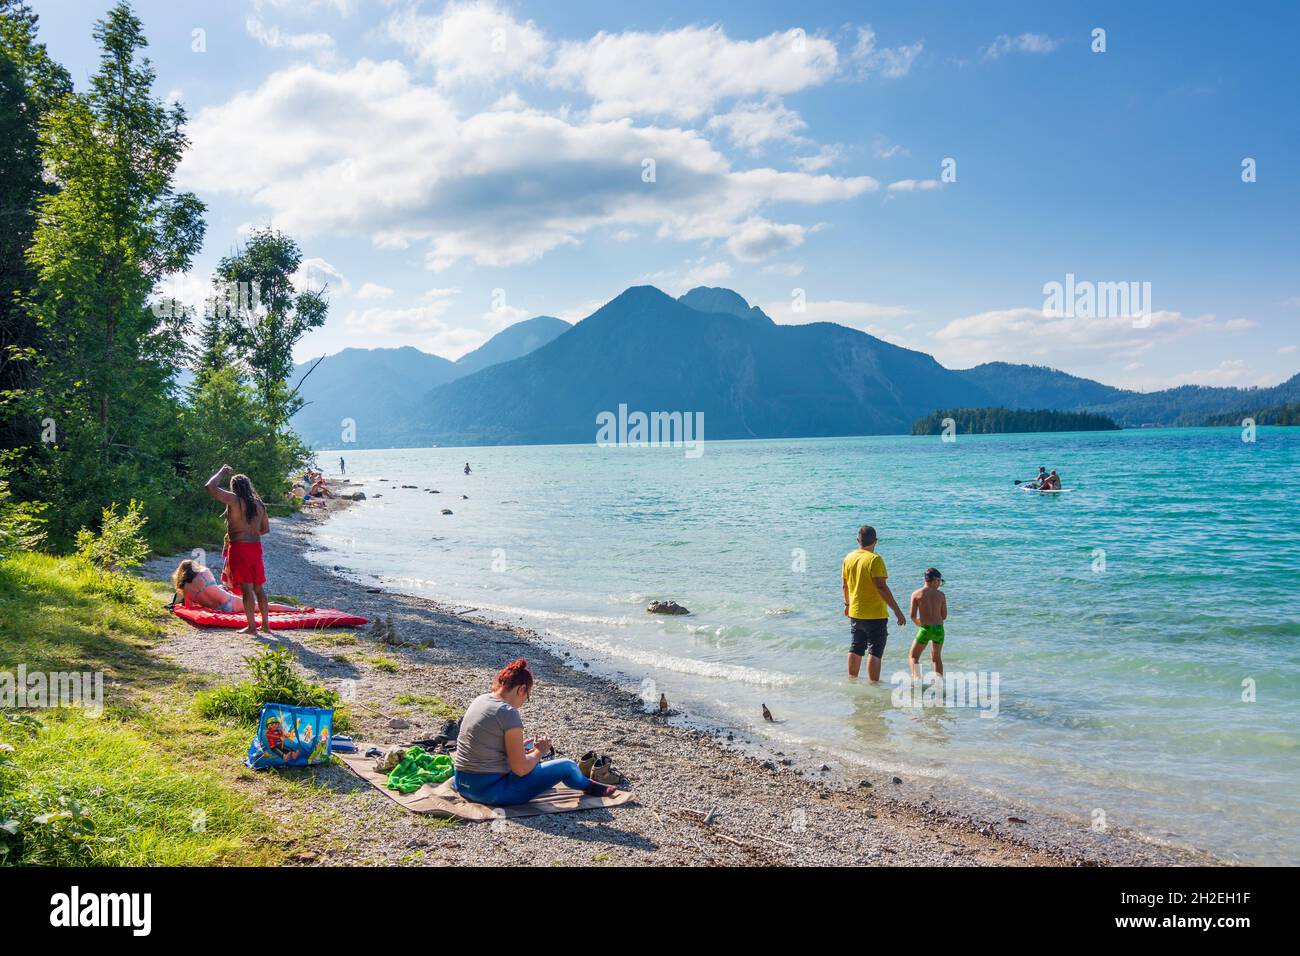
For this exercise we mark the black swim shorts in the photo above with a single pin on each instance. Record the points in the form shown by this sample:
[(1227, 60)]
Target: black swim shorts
[(869, 635)]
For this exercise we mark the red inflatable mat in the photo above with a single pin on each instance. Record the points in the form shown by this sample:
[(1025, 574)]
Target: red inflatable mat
[(309, 617)]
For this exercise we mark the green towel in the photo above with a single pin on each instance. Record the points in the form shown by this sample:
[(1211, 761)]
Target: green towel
[(417, 769)]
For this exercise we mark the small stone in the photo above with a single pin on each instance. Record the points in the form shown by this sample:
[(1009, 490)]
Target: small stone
[(1016, 820), (825, 767), (865, 783), (446, 511), (898, 780), (397, 723)]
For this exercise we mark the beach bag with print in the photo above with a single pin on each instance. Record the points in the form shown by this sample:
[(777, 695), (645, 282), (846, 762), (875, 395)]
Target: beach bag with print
[(290, 736)]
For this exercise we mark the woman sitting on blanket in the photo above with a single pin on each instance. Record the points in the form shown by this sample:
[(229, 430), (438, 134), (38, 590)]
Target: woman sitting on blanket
[(492, 763), (197, 587)]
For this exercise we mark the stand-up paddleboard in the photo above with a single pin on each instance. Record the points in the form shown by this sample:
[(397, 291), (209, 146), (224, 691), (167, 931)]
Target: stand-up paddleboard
[(308, 617), (1044, 491)]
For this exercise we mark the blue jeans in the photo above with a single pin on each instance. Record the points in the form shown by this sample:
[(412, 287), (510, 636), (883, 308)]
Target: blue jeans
[(505, 789)]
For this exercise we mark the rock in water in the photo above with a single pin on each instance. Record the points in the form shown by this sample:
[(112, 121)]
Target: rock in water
[(446, 511), (665, 607)]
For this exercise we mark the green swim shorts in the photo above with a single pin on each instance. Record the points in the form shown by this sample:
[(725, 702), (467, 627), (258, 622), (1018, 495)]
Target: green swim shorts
[(930, 632)]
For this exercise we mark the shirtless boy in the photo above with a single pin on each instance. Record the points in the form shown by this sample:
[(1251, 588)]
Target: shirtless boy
[(928, 612)]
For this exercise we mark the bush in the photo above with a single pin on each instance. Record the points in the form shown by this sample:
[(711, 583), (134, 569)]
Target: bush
[(20, 521), (274, 681), (120, 544)]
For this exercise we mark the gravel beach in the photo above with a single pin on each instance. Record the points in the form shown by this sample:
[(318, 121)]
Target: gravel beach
[(762, 808)]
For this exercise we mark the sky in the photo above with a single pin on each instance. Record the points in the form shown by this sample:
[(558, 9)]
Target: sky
[(920, 171)]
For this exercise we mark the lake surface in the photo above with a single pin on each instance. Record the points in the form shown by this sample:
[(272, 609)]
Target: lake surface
[(1125, 620)]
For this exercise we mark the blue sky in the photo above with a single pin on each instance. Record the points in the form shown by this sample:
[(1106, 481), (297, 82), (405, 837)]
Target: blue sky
[(451, 168)]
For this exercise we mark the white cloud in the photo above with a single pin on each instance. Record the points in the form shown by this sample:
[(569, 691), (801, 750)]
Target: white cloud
[(371, 290), (750, 125), (889, 62), (1287, 349), (820, 159), (505, 315), (1235, 372), (274, 38), (758, 238), (1034, 335), (857, 315), (684, 73), (783, 269), (316, 274), (697, 272), (913, 185), (1024, 43), (1239, 325), (368, 151), (471, 42), (420, 325)]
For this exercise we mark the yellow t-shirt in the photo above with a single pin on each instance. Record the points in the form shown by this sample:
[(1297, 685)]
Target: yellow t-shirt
[(865, 602)]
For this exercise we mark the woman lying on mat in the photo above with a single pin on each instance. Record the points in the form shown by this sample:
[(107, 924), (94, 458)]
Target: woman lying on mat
[(197, 587), (493, 763)]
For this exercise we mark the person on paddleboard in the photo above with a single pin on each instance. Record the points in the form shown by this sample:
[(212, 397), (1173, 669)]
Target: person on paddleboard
[(1051, 483), (1038, 479)]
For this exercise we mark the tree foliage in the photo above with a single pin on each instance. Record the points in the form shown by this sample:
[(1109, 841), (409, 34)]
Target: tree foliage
[(996, 421)]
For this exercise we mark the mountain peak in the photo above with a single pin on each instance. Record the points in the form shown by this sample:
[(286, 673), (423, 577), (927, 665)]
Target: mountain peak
[(715, 299)]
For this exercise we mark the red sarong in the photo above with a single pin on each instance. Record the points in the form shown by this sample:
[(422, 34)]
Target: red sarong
[(244, 565)]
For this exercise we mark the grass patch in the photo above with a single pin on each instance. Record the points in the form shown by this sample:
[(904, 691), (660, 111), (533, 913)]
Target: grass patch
[(80, 791), (284, 599), (137, 785), (335, 639), (385, 664), (274, 681), (436, 706)]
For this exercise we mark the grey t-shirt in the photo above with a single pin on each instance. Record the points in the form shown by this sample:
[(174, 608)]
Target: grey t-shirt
[(481, 743)]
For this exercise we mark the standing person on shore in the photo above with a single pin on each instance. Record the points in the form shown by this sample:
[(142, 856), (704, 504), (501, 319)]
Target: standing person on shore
[(867, 602), (467, 468), (246, 522), (494, 764), (343, 466)]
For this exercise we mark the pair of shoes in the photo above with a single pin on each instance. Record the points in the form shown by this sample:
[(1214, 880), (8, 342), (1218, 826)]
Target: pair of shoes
[(602, 771)]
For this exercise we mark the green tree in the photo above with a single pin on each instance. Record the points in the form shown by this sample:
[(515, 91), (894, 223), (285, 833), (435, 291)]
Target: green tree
[(30, 85), (267, 315), (111, 230)]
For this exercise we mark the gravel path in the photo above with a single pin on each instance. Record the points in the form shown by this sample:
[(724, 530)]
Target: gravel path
[(763, 813)]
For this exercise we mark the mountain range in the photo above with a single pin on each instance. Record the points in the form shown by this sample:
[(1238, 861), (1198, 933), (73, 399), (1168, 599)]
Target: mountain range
[(710, 352)]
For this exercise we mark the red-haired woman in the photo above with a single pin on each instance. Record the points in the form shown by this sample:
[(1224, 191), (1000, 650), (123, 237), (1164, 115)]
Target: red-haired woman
[(492, 763)]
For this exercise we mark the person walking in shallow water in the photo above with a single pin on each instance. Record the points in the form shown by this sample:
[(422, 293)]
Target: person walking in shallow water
[(467, 468), (343, 466), (867, 602)]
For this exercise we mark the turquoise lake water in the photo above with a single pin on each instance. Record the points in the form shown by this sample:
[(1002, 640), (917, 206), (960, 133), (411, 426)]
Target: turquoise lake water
[(1125, 620)]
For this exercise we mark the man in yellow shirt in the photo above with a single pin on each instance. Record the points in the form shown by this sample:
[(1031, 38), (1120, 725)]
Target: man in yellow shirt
[(866, 597)]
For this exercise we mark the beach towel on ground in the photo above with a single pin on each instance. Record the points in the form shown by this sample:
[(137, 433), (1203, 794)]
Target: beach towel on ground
[(442, 800), (290, 736), (308, 617), (418, 768)]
